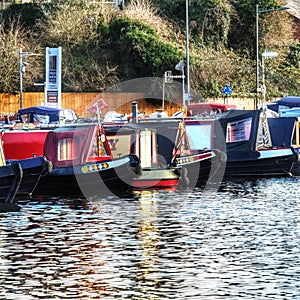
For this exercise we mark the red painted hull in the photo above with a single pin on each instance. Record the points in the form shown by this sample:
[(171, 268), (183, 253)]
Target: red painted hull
[(24, 144), (154, 184), (157, 178)]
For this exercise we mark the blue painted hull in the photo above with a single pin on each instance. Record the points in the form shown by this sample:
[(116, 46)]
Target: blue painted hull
[(277, 162)]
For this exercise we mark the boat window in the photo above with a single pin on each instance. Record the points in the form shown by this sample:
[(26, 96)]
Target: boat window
[(41, 119), (25, 118), (238, 131), (2, 160), (199, 136), (67, 149), (119, 144)]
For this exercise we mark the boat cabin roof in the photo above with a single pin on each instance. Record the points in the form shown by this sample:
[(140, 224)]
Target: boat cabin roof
[(287, 102), (45, 115), (208, 109)]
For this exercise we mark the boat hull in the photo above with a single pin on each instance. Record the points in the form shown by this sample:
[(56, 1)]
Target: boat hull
[(33, 169), (164, 178), (10, 179), (296, 166), (270, 163), (196, 170), (91, 179)]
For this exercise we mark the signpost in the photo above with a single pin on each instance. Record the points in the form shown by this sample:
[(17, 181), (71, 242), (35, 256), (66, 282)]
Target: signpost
[(53, 78), (227, 90)]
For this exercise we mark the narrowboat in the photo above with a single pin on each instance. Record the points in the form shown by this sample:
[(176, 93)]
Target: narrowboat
[(250, 150), (83, 164), (173, 152), (80, 156)]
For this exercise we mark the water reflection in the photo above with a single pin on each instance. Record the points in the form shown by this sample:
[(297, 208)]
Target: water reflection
[(241, 242)]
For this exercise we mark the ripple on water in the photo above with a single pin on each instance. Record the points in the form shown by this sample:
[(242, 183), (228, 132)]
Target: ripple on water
[(240, 242)]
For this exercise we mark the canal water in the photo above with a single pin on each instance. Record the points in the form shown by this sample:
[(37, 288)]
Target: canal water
[(242, 242)]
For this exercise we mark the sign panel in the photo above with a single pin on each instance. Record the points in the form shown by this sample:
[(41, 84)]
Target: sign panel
[(227, 90), (52, 98), (53, 77)]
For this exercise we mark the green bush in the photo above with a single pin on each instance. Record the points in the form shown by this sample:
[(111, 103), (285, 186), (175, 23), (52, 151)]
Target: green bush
[(140, 49)]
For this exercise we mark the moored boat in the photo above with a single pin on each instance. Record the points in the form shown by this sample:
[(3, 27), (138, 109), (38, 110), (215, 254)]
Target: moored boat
[(208, 109), (173, 152), (83, 164), (250, 151), (288, 110), (149, 146), (288, 106)]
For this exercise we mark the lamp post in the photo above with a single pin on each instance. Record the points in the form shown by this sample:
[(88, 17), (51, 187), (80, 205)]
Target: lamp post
[(265, 55), (258, 11), (23, 65), (187, 50)]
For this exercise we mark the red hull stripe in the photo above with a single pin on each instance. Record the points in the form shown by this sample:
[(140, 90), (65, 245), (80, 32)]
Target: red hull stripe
[(155, 183)]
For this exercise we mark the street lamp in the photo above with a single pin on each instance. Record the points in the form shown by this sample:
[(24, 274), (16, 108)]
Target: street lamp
[(267, 54), (167, 78), (180, 67), (23, 65), (258, 11)]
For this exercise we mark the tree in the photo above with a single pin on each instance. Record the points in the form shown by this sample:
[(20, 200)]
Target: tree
[(12, 38), (209, 21), (274, 28), (80, 29)]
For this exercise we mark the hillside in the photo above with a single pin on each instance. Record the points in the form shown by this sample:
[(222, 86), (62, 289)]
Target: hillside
[(103, 47)]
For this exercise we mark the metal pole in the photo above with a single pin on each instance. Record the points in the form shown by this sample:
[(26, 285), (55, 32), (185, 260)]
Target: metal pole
[(163, 93), (187, 49), (183, 90), (257, 46), (21, 78), (263, 87), (134, 112), (257, 62)]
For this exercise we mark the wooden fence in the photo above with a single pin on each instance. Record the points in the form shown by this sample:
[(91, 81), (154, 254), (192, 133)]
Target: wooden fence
[(120, 102), (79, 102)]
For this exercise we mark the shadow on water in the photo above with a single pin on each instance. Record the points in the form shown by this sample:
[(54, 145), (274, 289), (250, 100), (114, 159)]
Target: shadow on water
[(240, 242)]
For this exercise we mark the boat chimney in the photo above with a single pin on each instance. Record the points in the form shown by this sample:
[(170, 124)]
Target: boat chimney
[(134, 112), (159, 112)]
